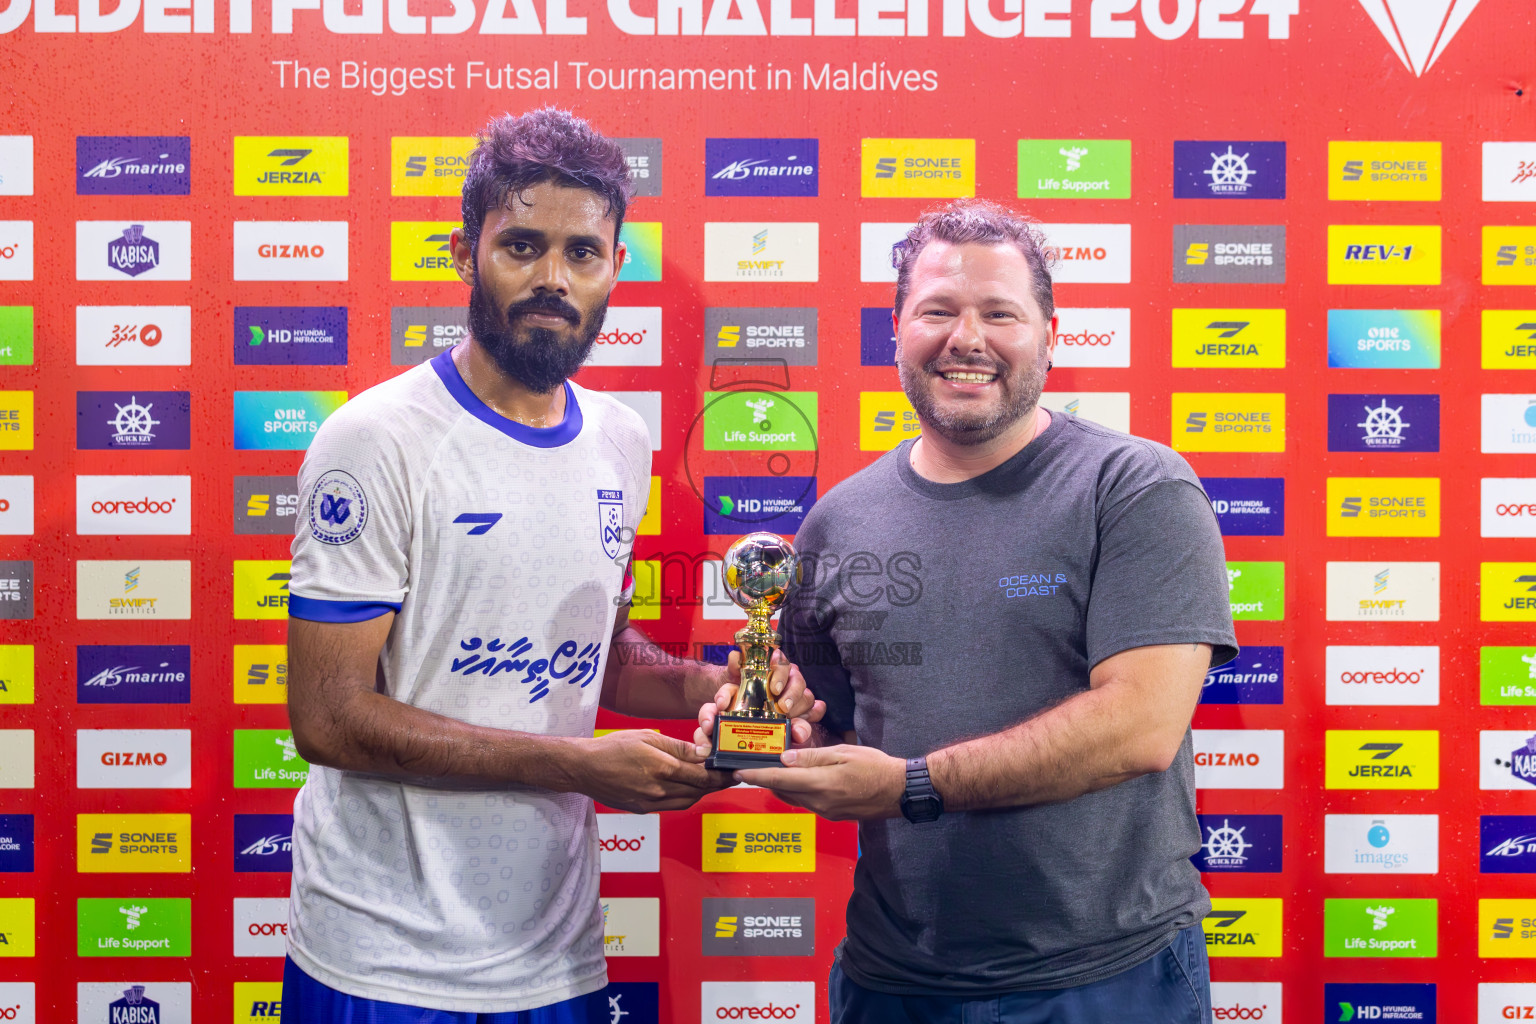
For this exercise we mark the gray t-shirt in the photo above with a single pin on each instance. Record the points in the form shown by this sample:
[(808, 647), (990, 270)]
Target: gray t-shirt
[(934, 613)]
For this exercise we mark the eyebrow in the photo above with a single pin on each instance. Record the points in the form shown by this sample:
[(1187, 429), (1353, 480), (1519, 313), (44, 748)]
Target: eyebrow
[(516, 233)]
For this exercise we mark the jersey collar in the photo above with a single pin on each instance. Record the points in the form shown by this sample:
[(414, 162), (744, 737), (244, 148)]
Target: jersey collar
[(561, 433)]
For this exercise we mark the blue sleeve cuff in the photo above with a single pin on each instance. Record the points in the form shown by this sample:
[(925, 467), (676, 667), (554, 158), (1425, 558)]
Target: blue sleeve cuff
[(314, 610)]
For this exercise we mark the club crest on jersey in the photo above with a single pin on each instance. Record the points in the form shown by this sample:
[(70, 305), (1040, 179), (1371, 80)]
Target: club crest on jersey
[(610, 521), (338, 509)]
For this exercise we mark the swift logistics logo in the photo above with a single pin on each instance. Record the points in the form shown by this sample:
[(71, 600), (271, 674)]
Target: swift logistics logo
[(1244, 927), (417, 333), (629, 843), (762, 251), (1418, 32), (273, 165), (1507, 676), (126, 420), (290, 335), (1382, 676), (268, 759), (918, 168), (1110, 409), (286, 250), (111, 250), (1384, 254), (1384, 171), (1381, 928), (18, 843), (1507, 759), (1257, 676), (1247, 506), (1372, 591), (1509, 339), (18, 674), (133, 758), (1383, 423), (1507, 592), (780, 335), (266, 505), (263, 842), (1345, 1003), (419, 250), (1385, 339), (261, 588), (760, 421), (1230, 338), (738, 926), (644, 160), (1074, 169), (1506, 928), (428, 165), (1229, 253), (1085, 253), (737, 504), (1086, 337), (630, 336), (17, 758), (631, 926), (133, 165), (1244, 843), (761, 167), (17, 329), (142, 674), (773, 843), (261, 674), (1228, 421), (1239, 758), (1383, 506), (134, 926), (1228, 170), (1509, 255), (135, 589), (133, 843), (886, 418), (1381, 844), (282, 420), (133, 335), (1507, 844), (1382, 759)]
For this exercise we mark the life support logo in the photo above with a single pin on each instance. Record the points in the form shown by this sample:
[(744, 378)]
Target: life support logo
[(338, 509)]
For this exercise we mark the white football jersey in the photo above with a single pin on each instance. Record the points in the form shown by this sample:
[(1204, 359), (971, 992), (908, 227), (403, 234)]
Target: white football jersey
[(502, 549)]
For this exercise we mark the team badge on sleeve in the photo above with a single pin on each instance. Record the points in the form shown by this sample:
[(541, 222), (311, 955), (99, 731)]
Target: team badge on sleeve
[(610, 521), (338, 509)]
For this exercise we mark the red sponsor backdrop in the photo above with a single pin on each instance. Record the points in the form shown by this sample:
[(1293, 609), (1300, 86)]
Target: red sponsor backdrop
[(1331, 76)]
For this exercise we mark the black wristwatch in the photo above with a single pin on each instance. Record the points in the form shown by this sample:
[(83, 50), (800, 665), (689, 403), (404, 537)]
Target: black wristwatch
[(920, 802)]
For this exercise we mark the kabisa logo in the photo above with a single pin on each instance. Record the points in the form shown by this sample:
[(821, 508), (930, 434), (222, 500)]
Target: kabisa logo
[(338, 508), (271, 165), (139, 843), (266, 505), (749, 420), (1091, 337), (1382, 759), (793, 1002), (1382, 844), (1074, 168), (631, 336), (759, 927), (776, 335), (1228, 254), (282, 420), (133, 1007), (1382, 676), (1257, 676), (133, 419), (1387, 339), (428, 165), (133, 253), (928, 168), (1381, 928), (1507, 844), (1247, 338), (417, 333), (1384, 254), (133, 675), (759, 842), (1509, 759), (571, 664), (740, 504), (1507, 676), (290, 335), (1345, 1003), (1509, 339), (1507, 592), (1408, 171), (1383, 423), (127, 165), (1418, 32), (1240, 842), (1228, 422), (263, 842), (1239, 758), (1243, 927), (1509, 255), (1228, 170), (1247, 506), (279, 250), (1383, 506), (17, 843), (760, 167), (643, 157)]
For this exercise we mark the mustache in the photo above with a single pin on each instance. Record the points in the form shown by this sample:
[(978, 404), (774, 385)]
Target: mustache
[(545, 302)]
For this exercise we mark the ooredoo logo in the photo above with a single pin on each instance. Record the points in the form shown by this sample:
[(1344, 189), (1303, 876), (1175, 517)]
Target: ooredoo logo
[(1383, 675), (133, 505), (1093, 337), (261, 927), (629, 842), (631, 336), (1246, 1001), (1508, 507), (758, 1001)]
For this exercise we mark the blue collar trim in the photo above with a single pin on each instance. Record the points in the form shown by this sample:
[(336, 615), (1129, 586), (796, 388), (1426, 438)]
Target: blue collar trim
[(561, 433)]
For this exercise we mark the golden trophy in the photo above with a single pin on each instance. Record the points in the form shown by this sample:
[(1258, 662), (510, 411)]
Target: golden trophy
[(759, 571)]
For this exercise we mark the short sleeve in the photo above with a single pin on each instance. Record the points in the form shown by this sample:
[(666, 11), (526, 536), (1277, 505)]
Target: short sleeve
[(1161, 575), (352, 542)]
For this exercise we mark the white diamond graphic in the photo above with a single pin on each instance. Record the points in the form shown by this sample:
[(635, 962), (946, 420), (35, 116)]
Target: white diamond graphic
[(1418, 30)]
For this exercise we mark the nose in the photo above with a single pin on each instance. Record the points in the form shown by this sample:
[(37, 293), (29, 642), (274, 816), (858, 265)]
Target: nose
[(550, 273), (965, 337)]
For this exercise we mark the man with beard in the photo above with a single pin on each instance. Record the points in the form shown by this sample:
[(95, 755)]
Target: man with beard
[(460, 580), (1010, 619)]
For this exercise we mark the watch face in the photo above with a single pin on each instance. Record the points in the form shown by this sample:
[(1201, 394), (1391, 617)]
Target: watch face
[(921, 808)]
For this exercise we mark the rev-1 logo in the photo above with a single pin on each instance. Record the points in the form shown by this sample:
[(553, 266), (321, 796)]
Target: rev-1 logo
[(569, 664)]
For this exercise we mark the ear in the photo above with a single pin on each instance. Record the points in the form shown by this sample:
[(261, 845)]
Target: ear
[(896, 329), (620, 257), (1050, 338), (463, 256)]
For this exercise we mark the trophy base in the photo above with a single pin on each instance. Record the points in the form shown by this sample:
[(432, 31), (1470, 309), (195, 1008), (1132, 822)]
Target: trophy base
[(745, 742)]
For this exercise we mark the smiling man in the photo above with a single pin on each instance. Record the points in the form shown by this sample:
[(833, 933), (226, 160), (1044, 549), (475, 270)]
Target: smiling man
[(460, 583), (1022, 773)]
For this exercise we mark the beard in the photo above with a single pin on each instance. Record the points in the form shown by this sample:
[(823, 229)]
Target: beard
[(1018, 394), (536, 357)]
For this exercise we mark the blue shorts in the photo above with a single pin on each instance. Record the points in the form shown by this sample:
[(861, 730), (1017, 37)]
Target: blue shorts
[(1174, 987), (307, 1001)]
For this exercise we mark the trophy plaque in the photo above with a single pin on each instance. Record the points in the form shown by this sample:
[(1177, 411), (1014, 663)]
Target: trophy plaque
[(759, 571)]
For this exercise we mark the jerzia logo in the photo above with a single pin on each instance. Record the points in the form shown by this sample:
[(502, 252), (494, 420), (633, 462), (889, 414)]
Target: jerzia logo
[(1418, 30), (290, 166)]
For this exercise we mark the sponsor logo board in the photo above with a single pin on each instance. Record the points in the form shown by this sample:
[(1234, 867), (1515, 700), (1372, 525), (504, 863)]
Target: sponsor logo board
[(1381, 844), (429, 165), (1498, 1002), (1509, 172), (631, 926), (114, 250), (1256, 676), (631, 336), (264, 842), (1507, 675), (734, 505), (761, 251), (1381, 927), (757, 1001), (133, 758), (1087, 253), (133, 165), (16, 165), (133, 505), (290, 335), (18, 924), (1384, 254), (877, 337), (261, 674), (285, 250), (1509, 424), (1507, 591), (126, 420), (1509, 255), (777, 336), (876, 242), (17, 505), (133, 589), (16, 758), (886, 418), (642, 243), (18, 844), (772, 843), (1508, 507), (419, 250), (1256, 591), (138, 843), (266, 505), (417, 333), (1231, 338), (18, 672), (1377, 759), (759, 927), (134, 926), (16, 589), (137, 674), (1507, 759), (1074, 169), (17, 326), (1239, 758), (1392, 171), (923, 168), (629, 842), (268, 759), (1383, 591), (1386, 339), (747, 420), (1375, 1001), (134, 1002), (1228, 170), (261, 926), (1246, 1001), (1506, 928), (1228, 422), (272, 165), (1246, 927), (761, 167), (1383, 506), (1229, 253), (1507, 844), (18, 254), (1382, 676), (133, 335), (1110, 409), (1240, 842), (282, 420), (1509, 339), (18, 999), (1247, 506), (1091, 337), (645, 166)]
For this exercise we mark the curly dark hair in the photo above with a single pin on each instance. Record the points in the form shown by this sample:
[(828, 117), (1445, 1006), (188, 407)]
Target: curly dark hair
[(977, 220), (549, 144)]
